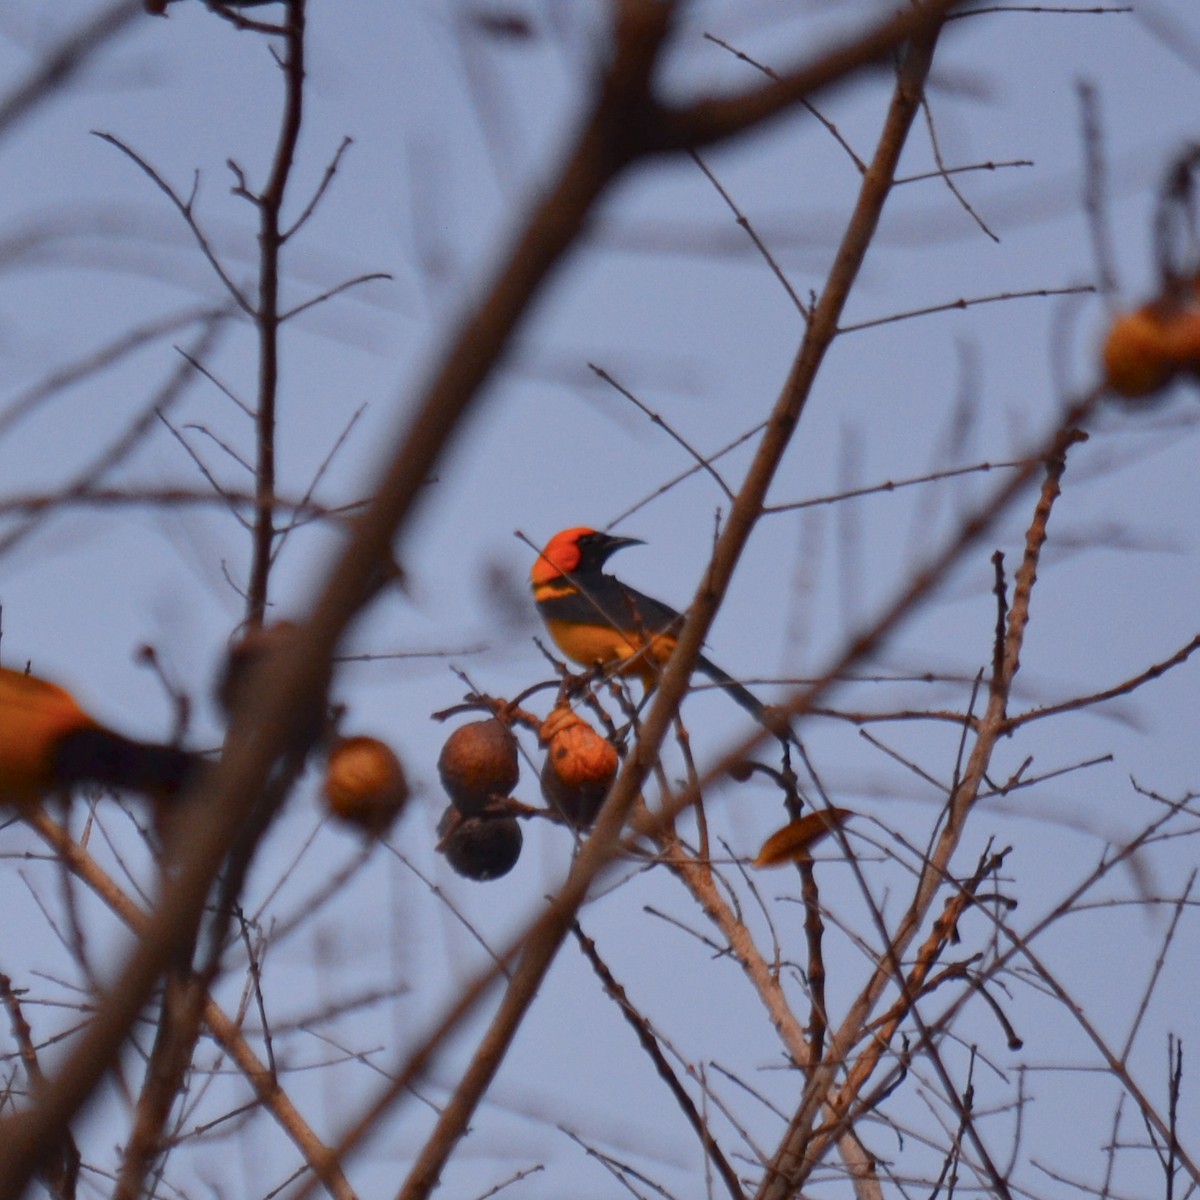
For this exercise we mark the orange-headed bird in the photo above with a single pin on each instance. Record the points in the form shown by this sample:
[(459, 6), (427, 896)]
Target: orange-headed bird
[(596, 620), (48, 742)]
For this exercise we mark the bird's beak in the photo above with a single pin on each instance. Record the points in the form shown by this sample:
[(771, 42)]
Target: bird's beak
[(613, 543)]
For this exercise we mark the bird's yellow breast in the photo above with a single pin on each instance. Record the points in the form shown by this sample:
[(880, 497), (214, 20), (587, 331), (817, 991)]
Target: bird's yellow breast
[(598, 644)]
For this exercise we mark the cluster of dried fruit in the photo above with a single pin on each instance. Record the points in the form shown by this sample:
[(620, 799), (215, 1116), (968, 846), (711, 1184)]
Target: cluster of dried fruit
[(479, 768)]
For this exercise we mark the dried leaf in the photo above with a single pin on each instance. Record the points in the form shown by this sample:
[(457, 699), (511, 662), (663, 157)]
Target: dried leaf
[(793, 842)]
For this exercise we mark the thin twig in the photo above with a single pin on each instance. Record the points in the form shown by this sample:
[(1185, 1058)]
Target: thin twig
[(1121, 689), (331, 170), (860, 166), (649, 1043), (702, 463), (186, 209), (267, 315), (895, 485), (964, 302), (744, 224), (946, 176), (1095, 191)]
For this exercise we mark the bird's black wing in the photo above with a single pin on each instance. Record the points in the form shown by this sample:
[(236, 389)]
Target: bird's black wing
[(657, 617), (634, 609), (604, 600), (604, 597)]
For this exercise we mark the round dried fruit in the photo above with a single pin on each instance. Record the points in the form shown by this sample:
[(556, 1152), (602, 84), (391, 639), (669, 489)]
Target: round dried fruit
[(579, 768), (365, 784), (480, 847), (479, 761), (1137, 353)]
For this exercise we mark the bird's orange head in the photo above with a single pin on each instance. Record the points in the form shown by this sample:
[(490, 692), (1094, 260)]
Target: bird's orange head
[(577, 551)]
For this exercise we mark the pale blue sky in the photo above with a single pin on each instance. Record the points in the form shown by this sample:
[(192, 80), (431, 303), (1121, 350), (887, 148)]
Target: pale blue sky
[(452, 132)]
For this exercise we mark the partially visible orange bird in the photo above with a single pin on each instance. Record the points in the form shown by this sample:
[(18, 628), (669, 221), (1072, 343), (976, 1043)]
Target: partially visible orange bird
[(596, 620), (47, 742)]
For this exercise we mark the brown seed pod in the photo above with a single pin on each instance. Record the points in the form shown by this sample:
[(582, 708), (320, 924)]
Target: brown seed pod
[(1137, 354), (480, 847), (365, 784), (579, 768), (1183, 337), (479, 761)]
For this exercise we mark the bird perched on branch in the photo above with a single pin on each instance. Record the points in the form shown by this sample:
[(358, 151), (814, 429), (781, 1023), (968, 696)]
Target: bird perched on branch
[(48, 742), (596, 620)]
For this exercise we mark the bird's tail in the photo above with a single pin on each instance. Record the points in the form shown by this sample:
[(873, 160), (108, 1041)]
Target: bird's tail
[(768, 718), (98, 755)]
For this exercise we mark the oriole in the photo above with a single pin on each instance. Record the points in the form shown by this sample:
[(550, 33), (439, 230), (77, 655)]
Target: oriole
[(47, 741), (596, 620)]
